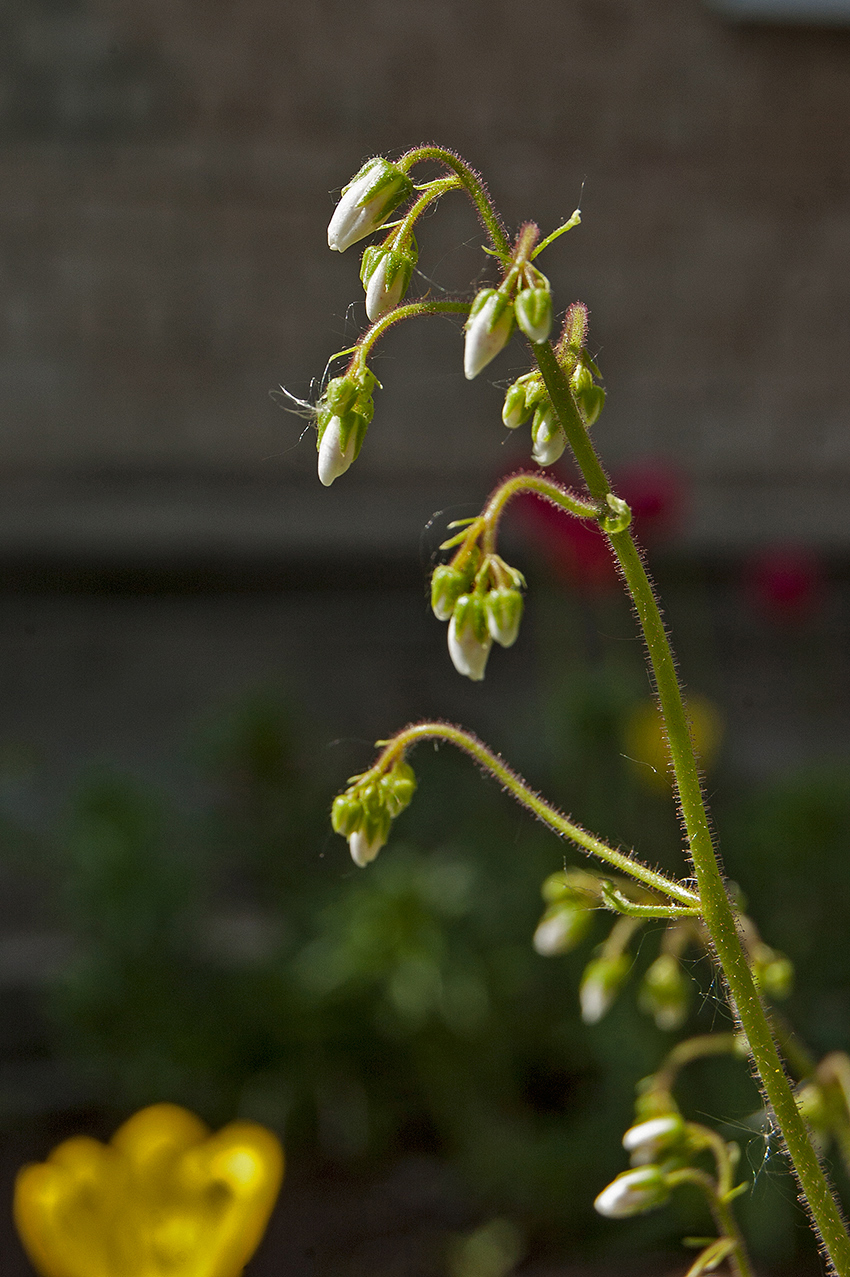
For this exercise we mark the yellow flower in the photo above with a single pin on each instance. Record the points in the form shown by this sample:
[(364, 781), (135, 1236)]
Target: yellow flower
[(165, 1198)]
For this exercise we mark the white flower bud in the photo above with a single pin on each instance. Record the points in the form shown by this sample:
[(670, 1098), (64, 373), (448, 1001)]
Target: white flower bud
[(469, 639), (334, 459), (488, 330), (366, 202), (632, 1193), (562, 928), (363, 848), (385, 274), (600, 985), (547, 436), (647, 1140)]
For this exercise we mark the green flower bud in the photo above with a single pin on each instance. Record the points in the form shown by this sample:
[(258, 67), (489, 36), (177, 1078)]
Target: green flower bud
[(448, 583), (503, 611), (385, 273), (398, 786), (773, 972), (601, 982), (514, 410), (367, 201), (533, 309), (346, 813), (665, 992), (589, 397)]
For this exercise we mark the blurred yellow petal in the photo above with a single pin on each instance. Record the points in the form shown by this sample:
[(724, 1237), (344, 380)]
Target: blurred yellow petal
[(164, 1199), (646, 748)]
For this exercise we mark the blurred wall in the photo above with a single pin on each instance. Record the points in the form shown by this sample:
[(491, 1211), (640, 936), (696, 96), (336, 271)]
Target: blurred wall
[(167, 173)]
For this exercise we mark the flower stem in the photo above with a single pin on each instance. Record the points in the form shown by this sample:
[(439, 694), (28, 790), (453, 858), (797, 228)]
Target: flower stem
[(474, 185), (411, 311), (717, 910), (625, 862)]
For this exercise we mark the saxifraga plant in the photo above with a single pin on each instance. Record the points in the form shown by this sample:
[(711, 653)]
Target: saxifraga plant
[(481, 598)]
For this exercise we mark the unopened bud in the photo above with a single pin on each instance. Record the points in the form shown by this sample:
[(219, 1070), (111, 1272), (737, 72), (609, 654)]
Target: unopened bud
[(563, 927), (601, 982), (514, 410), (503, 610), (589, 397), (664, 993), (364, 848), (488, 330), (773, 972), (547, 436), (385, 273), (533, 308), (646, 1141), (469, 638), (367, 201), (398, 787), (337, 450), (448, 583), (632, 1193)]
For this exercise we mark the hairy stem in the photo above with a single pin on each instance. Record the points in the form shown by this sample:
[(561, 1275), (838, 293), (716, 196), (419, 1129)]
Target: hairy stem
[(717, 910), (626, 863), (473, 184), (413, 309)]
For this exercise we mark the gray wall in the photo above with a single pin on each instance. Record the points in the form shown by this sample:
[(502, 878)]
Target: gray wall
[(166, 175)]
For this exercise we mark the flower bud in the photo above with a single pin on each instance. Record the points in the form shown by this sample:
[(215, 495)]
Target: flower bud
[(364, 848), (488, 330), (365, 811), (448, 583), (632, 1193), (648, 1140), (773, 972), (600, 984), (469, 638), (547, 436), (367, 201), (503, 611), (514, 410), (385, 273), (563, 927), (590, 398), (340, 394), (664, 993), (398, 787), (533, 309)]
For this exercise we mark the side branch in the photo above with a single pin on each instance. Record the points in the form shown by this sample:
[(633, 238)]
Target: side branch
[(411, 311), (626, 863)]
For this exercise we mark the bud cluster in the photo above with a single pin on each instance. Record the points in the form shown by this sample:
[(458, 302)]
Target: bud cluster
[(482, 601), (342, 416), (365, 811), (524, 298), (527, 397)]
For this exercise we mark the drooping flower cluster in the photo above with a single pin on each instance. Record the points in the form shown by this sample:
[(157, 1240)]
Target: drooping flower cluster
[(481, 598), (342, 417), (364, 812)]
